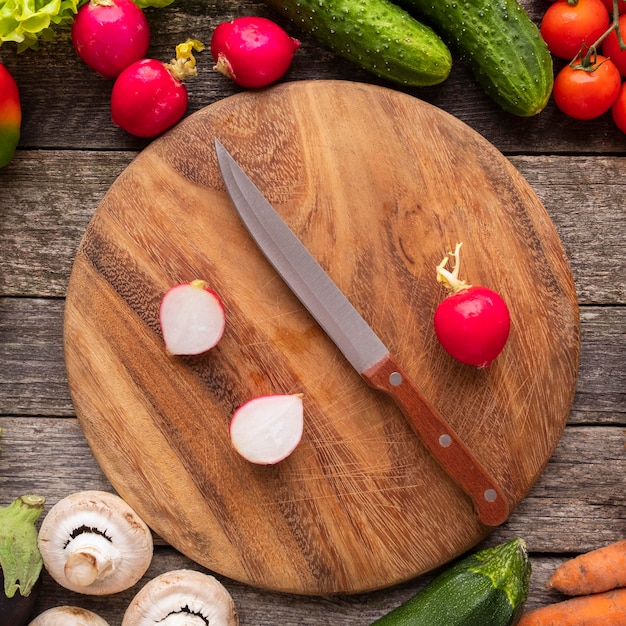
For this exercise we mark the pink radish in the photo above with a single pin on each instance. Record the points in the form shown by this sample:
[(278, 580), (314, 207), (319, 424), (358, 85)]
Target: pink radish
[(192, 318), (267, 429), (252, 51), (109, 35), (472, 323), (149, 97)]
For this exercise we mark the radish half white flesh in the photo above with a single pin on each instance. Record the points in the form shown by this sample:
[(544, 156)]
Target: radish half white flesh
[(192, 318), (267, 429)]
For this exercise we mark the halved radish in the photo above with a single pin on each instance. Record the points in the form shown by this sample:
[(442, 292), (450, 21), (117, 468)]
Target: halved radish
[(267, 429), (192, 318)]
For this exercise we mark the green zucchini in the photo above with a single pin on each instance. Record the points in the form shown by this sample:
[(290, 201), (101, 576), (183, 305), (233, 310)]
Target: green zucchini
[(377, 35), (500, 43), (488, 588)]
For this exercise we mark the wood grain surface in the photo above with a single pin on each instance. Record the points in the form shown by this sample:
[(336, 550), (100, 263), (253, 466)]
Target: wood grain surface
[(378, 185)]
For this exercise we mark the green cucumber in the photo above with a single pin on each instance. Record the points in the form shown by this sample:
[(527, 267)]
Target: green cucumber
[(500, 43), (377, 35), (488, 588)]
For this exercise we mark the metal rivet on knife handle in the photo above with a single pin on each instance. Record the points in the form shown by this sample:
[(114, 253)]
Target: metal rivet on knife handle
[(441, 441)]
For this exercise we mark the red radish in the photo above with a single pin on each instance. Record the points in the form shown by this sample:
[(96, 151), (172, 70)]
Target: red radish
[(267, 429), (149, 96), (252, 51), (192, 318), (472, 323), (109, 35)]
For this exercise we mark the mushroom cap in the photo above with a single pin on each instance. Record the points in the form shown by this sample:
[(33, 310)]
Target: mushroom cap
[(93, 542), (176, 597), (68, 616)]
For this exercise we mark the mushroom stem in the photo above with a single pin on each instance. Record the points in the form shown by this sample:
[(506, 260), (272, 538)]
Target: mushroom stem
[(91, 557)]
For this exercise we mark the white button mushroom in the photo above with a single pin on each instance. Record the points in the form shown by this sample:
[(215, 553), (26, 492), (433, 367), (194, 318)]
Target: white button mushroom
[(68, 616), (182, 598), (93, 542)]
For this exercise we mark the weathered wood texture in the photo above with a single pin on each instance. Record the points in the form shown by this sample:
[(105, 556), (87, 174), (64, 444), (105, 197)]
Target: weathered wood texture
[(583, 195), (378, 211), (577, 505), (70, 154), (33, 379)]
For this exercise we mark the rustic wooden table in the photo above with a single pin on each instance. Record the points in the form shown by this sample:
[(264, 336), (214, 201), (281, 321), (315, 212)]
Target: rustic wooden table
[(70, 154)]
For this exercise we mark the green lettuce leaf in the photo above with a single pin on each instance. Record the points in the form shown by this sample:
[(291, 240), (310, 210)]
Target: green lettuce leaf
[(26, 22)]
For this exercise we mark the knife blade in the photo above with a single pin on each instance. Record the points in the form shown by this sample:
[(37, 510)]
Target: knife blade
[(361, 346)]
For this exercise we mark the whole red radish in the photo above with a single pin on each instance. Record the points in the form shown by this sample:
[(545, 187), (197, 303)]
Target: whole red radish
[(473, 322), (109, 35), (149, 97), (252, 51), (267, 429), (192, 318)]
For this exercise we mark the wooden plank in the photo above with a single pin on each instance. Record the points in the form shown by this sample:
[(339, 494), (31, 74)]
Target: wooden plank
[(578, 504), (32, 371), (262, 608), (37, 260), (33, 379), (580, 194), (44, 217)]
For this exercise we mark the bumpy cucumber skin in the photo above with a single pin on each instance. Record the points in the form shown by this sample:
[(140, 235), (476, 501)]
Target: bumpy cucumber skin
[(500, 43), (377, 35), (488, 588)]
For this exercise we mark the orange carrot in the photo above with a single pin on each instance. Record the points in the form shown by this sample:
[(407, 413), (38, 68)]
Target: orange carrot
[(601, 609), (596, 571)]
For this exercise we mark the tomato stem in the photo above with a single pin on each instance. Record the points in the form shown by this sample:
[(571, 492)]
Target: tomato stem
[(451, 279), (588, 59), (587, 63), (618, 31)]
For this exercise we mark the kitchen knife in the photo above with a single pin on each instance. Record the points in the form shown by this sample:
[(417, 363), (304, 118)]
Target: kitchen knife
[(357, 341)]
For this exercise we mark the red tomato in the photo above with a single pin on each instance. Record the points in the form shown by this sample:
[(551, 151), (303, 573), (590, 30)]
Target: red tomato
[(621, 6), (585, 93), (619, 109), (611, 49), (566, 28)]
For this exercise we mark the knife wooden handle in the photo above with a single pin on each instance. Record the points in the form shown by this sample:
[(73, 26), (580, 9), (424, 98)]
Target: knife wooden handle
[(442, 442)]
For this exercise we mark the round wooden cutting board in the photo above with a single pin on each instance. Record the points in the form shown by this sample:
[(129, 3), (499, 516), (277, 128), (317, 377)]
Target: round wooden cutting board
[(379, 186)]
